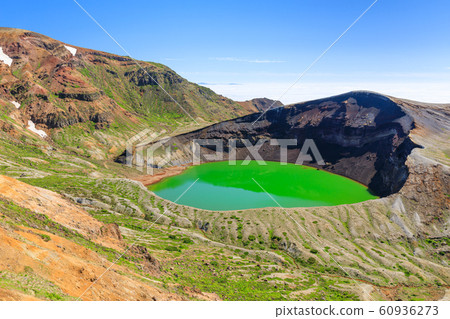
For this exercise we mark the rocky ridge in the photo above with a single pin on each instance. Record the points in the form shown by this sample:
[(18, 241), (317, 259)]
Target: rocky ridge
[(260, 104)]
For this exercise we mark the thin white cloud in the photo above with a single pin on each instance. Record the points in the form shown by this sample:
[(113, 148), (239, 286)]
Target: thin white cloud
[(232, 59), (226, 59), (265, 61), (211, 83)]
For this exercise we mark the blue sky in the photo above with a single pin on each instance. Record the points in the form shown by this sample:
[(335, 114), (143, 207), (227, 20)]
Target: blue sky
[(246, 49)]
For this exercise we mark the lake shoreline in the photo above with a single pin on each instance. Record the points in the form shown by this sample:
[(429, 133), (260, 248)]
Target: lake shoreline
[(223, 186), (148, 180)]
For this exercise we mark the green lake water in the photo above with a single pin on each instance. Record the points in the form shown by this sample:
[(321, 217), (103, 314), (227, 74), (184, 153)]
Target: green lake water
[(221, 186)]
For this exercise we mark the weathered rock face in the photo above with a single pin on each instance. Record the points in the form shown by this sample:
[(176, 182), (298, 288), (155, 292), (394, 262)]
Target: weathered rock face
[(44, 77), (427, 189), (360, 135)]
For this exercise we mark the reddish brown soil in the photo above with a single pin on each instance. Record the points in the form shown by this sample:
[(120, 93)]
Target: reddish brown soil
[(155, 178), (60, 210), (70, 266)]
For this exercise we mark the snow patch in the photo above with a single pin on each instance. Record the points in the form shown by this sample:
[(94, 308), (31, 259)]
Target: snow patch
[(71, 50), (16, 104), (4, 58), (32, 127)]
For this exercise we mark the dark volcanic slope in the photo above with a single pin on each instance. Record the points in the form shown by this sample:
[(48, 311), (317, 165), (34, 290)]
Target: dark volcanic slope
[(361, 135)]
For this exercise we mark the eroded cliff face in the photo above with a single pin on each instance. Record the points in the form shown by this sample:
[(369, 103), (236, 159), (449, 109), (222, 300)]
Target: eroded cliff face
[(360, 135)]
